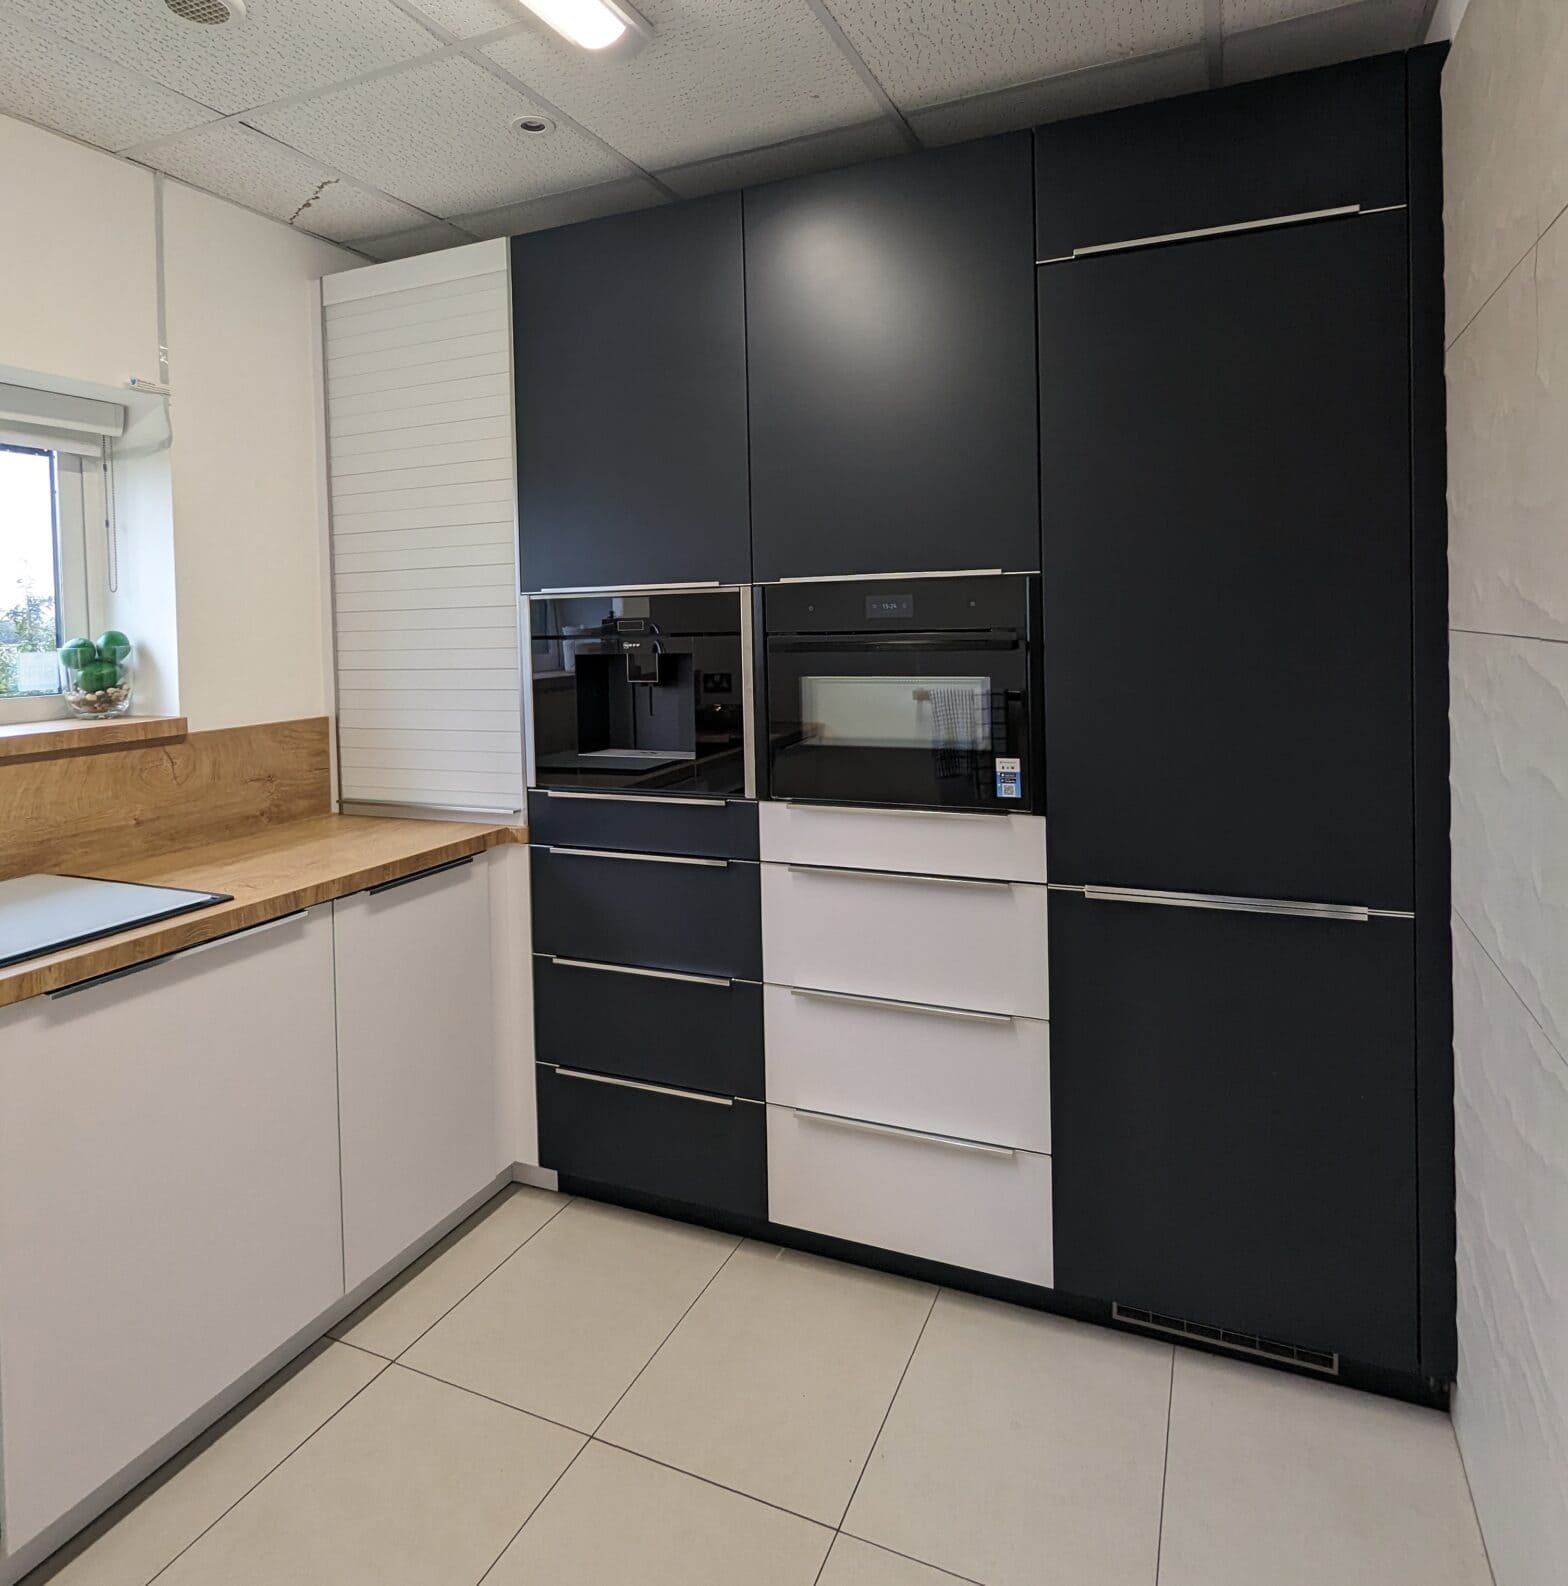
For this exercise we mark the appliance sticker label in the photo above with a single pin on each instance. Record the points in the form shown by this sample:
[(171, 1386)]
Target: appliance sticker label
[(1009, 777)]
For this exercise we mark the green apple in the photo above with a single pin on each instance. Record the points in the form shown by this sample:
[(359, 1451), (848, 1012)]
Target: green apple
[(113, 645), (77, 654)]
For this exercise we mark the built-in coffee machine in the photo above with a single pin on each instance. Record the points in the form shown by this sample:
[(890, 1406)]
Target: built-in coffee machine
[(641, 692)]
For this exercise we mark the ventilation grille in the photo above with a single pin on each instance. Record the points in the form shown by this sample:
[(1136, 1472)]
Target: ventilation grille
[(1224, 1338), (208, 12)]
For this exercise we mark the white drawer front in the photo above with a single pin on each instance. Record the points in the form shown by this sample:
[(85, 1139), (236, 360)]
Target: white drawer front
[(979, 1076), (987, 1210), (960, 944), (999, 847)]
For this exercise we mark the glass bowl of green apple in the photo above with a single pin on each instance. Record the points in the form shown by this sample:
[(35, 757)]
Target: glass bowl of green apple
[(96, 675)]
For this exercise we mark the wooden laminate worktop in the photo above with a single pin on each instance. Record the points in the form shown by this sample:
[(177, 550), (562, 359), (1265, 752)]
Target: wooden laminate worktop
[(270, 872)]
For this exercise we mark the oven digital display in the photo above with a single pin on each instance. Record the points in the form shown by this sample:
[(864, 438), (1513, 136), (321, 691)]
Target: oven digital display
[(889, 608)]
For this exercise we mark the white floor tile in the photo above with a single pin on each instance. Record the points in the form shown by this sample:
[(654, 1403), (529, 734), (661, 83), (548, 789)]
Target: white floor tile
[(856, 1563), (136, 1539), (777, 1381), (390, 1321), (566, 1324), (1298, 1483), (616, 1519), (1022, 1450), (413, 1484)]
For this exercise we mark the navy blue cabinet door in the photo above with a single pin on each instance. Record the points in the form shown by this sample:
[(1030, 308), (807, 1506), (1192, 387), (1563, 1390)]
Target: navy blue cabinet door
[(630, 343), (1226, 560), (1233, 1121), (889, 309)]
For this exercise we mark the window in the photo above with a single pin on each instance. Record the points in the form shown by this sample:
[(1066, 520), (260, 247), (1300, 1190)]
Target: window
[(51, 489)]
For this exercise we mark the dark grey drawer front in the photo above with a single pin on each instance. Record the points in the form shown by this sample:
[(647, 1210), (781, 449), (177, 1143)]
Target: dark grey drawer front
[(695, 1033), (688, 1148), (719, 828), (698, 916)]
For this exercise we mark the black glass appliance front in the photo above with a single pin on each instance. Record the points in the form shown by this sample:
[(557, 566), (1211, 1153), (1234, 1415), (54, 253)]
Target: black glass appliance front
[(639, 692), (916, 693)]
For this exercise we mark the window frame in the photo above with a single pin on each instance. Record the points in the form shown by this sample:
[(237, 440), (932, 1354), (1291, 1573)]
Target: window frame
[(76, 489)]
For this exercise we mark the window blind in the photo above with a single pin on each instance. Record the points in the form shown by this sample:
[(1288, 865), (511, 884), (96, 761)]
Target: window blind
[(424, 540)]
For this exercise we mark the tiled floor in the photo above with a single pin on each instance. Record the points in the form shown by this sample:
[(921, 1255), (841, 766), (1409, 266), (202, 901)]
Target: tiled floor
[(565, 1394)]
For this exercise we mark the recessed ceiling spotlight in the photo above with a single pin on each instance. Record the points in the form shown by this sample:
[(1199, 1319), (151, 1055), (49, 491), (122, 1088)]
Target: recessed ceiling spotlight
[(533, 126), (594, 24), (210, 13)]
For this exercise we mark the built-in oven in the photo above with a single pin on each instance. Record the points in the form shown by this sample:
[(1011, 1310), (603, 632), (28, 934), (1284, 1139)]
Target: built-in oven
[(641, 692), (921, 693)]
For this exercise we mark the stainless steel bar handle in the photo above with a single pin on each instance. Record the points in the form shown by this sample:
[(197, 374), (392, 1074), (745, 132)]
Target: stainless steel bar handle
[(633, 798), (1354, 912), (934, 1010), (1231, 228), (640, 859), (877, 809), (637, 1084), (899, 877), (867, 578), (646, 974), (630, 589), (832, 1120)]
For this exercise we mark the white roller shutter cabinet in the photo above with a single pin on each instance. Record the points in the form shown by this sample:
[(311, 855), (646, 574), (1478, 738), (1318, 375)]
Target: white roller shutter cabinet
[(424, 533)]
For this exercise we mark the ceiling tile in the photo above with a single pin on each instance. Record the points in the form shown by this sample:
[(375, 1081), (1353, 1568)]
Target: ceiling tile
[(282, 47), (1239, 15), (718, 75), (439, 136), (1366, 27), (1130, 82), (234, 162), (563, 209), (465, 18), (56, 84), (872, 140), (420, 239), (930, 52)]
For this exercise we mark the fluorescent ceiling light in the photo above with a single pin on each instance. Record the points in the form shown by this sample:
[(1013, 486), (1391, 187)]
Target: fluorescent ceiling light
[(594, 24)]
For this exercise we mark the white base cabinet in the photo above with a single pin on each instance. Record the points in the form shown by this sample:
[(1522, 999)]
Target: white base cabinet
[(980, 1207), (168, 1200), (416, 1059)]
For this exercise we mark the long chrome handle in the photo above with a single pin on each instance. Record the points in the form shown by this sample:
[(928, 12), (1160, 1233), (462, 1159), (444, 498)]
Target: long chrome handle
[(832, 1120), (629, 589), (179, 952), (1355, 912), (893, 809), (893, 875), (646, 974), (867, 578), (637, 1084), (633, 798), (1266, 223), (641, 859), (932, 1009)]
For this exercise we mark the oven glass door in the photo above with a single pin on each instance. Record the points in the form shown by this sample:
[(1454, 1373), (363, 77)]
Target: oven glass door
[(924, 720)]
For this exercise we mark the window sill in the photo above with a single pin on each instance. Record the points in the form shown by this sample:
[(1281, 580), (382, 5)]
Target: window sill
[(47, 740)]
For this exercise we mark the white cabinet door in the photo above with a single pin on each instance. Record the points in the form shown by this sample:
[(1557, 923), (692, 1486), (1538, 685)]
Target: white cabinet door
[(927, 842), (981, 1208), (962, 944), (416, 1059), (980, 1076), (168, 1200)]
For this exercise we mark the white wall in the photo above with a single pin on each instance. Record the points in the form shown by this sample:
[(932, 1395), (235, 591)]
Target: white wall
[(1506, 175), (243, 606)]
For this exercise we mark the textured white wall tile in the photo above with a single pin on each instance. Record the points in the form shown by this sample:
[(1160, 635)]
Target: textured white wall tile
[(564, 209), (1507, 478), (1081, 93), (1511, 1403), (929, 52), (282, 46), (1509, 718), (107, 105), (439, 135), (234, 162), (1490, 153), (718, 76), (872, 140), (1321, 38)]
